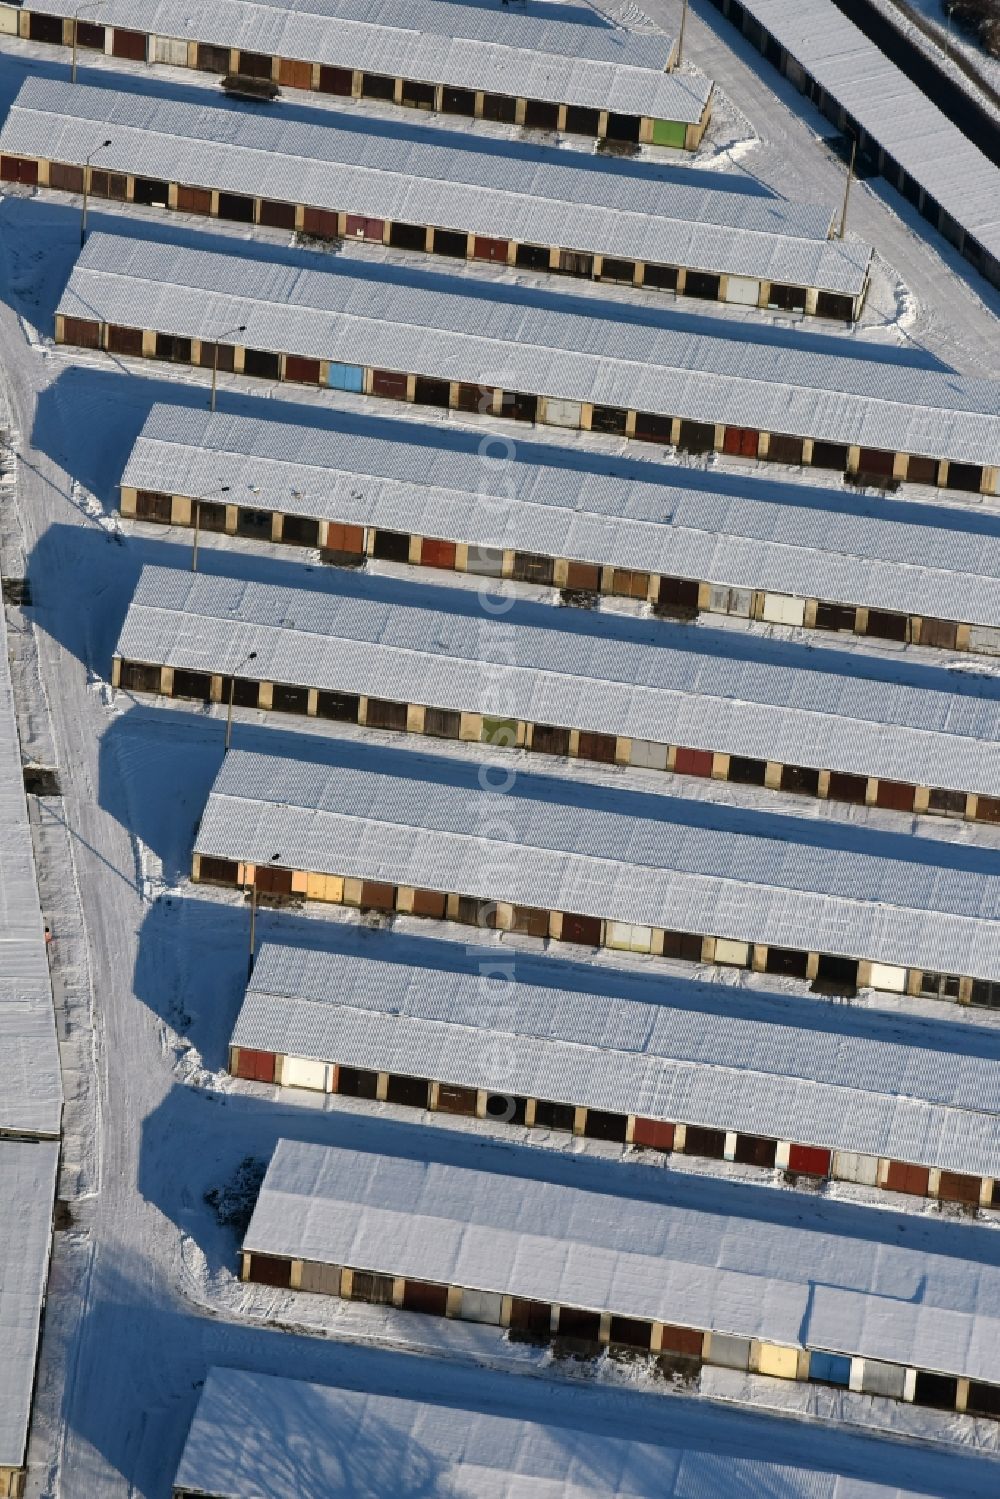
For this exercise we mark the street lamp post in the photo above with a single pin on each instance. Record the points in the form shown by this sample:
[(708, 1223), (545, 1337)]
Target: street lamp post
[(90, 5), (847, 188), (253, 927), (251, 656), (215, 360), (679, 58), (198, 502), (86, 188)]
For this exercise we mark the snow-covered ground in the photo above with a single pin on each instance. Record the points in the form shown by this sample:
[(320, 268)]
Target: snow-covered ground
[(148, 971)]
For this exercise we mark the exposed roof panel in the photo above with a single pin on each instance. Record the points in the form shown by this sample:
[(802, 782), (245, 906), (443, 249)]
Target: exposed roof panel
[(704, 689), (892, 110), (538, 55), (571, 845), (285, 1439), (642, 1255), (27, 1192), (424, 176), (31, 1088), (932, 560), (553, 343), (662, 1048)]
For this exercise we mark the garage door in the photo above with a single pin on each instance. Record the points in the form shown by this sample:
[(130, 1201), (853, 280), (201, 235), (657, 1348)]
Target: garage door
[(781, 610), (743, 290), (304, 1072)]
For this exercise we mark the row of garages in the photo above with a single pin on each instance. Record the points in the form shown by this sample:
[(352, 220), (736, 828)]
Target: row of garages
[(576, 79), (411, 1023), (356, 1440), (687, 541), (605, 690), (864, 93), (549, 1261), (30, 1102), (433, 195), (28, 1169), (392, 830), (570, 362)]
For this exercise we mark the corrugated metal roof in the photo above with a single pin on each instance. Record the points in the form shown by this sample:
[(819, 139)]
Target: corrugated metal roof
[(416, 819), (554, 343), (891, 109), (285, 1439), (643, 1256), (438, 177), (780, 701), (31, 1092), (662, 1048), (27, 1191), (732, 529), (536, 55)]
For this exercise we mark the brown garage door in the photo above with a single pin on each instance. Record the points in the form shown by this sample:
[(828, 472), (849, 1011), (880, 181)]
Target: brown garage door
[(420, 1296), (130, 44), (904, 1178), (583, 929), (273, 881), (267, 1270)]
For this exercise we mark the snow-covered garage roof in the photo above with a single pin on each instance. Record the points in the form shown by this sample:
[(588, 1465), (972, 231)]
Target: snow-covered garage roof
[(733, 529), (662, 1254), (254, 1434), (573, 845), (775, 701), (664, 1048), (894, 112), (30, 1081), (415, 175), (27, 1191), (558, 344), (535, 55)]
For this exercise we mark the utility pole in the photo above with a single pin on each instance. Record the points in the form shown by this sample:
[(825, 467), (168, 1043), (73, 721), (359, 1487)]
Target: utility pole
[(847, 188)]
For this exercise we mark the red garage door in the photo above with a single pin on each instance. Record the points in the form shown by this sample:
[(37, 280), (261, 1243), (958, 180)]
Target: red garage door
[(17, 169), (809, 1160), (741, 441), (489, 249), (320, 222), (256, 1066), (434, 553), (654, 1133), (690, 762), (362, 228)]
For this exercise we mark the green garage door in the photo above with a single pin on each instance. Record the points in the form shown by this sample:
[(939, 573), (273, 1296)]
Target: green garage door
[(669, 133)]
